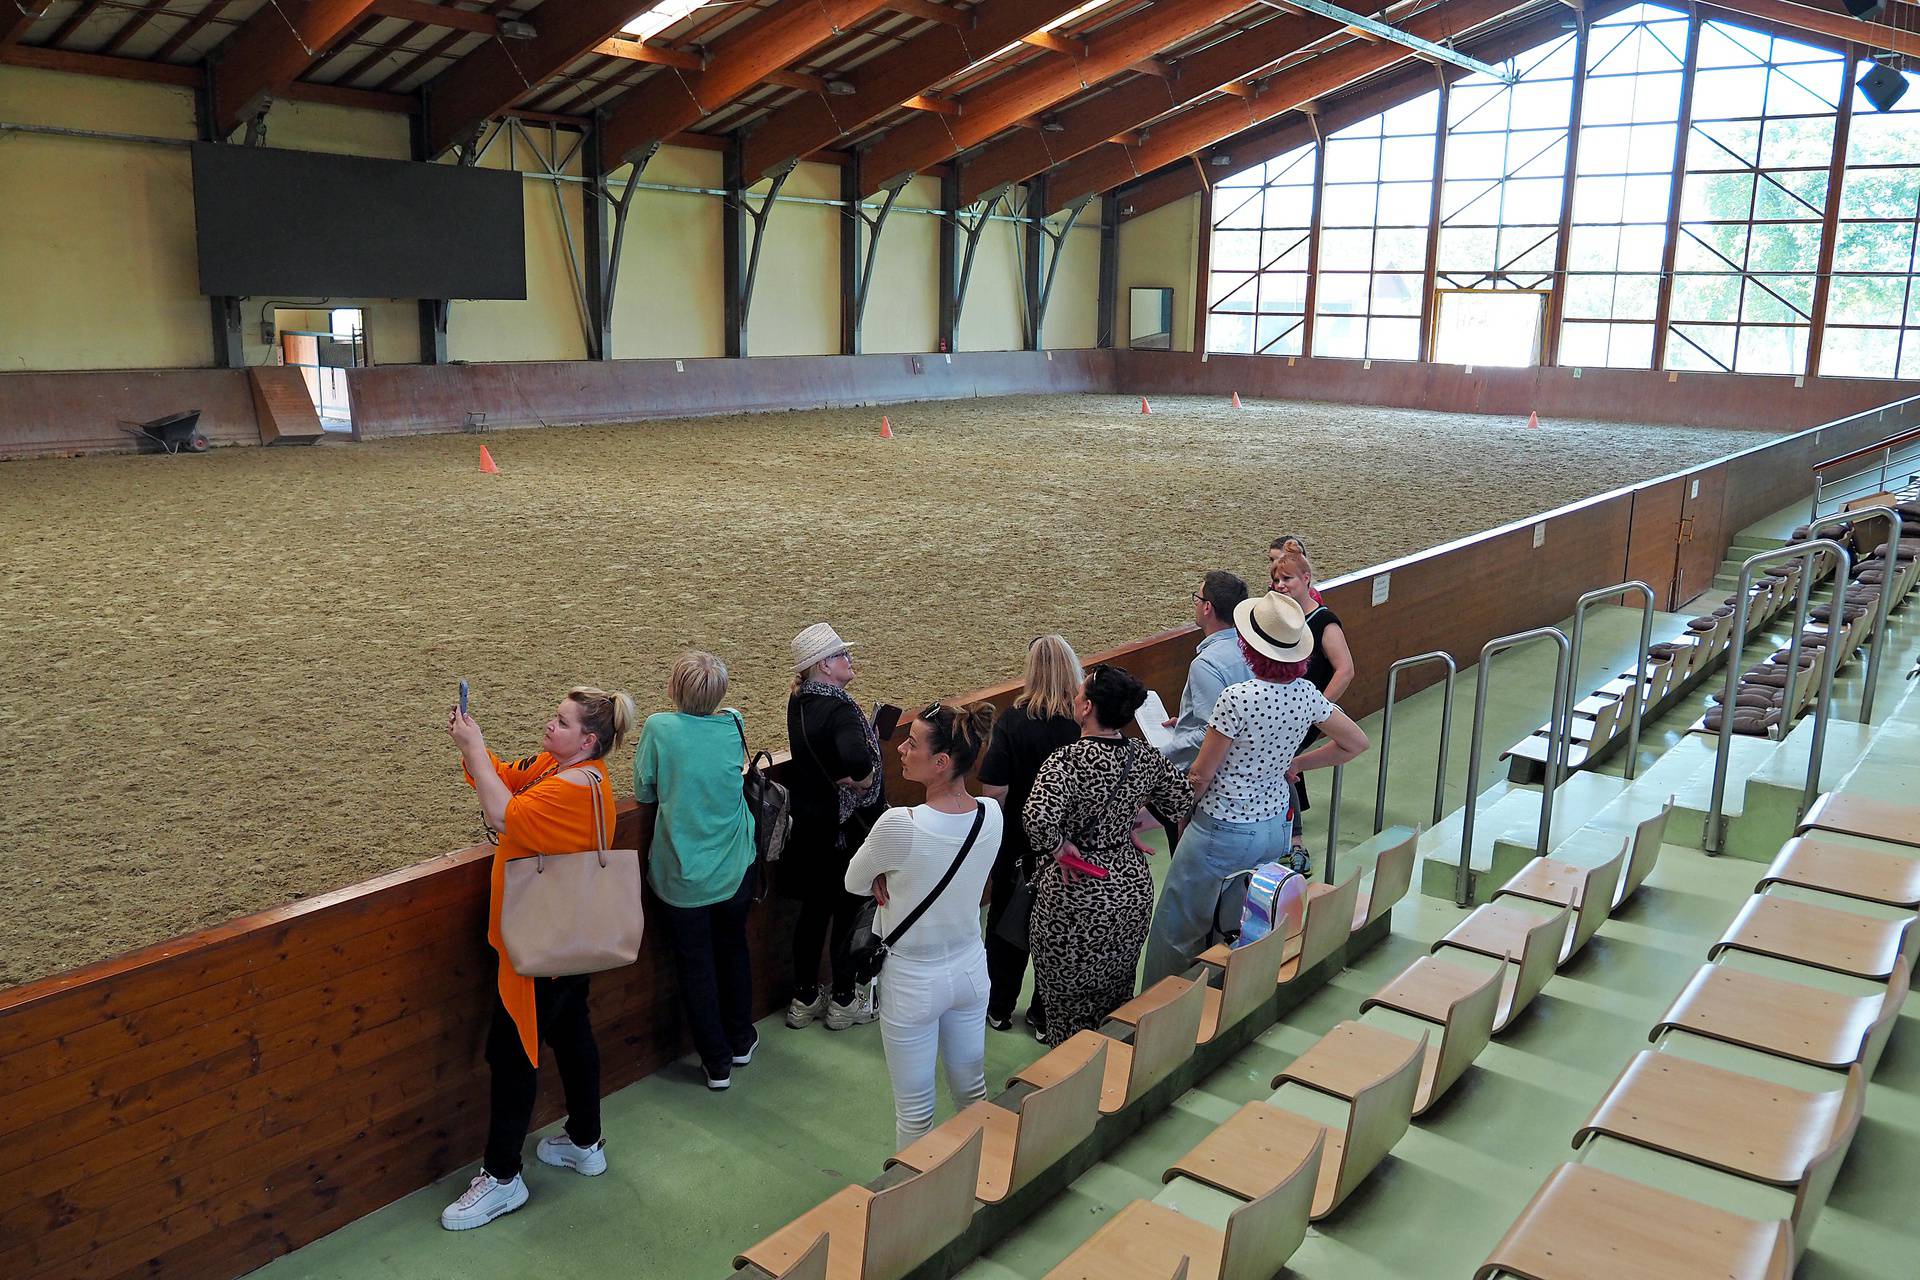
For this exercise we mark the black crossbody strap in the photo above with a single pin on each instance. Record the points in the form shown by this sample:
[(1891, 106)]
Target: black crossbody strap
[(966, 847)]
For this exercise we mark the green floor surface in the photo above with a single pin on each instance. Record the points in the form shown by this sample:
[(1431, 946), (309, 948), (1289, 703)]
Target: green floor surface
[(695, 1176)]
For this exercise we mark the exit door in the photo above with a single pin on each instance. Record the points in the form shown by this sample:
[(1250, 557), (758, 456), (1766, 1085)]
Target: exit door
[(1703, 500)]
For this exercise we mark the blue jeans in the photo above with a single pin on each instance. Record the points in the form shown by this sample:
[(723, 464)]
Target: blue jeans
[(1209, 853)]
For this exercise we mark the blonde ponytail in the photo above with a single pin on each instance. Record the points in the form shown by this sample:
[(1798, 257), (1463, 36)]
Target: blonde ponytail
[(607, 716)]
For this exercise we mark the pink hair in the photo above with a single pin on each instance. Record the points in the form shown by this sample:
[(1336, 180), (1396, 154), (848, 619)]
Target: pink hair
[(1266, 668)]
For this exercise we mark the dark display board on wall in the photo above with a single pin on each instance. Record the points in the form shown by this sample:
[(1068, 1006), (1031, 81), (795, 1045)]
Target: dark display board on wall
[(270, 221)]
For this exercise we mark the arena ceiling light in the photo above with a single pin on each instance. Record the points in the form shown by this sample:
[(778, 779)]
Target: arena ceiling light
[(1361, 22)]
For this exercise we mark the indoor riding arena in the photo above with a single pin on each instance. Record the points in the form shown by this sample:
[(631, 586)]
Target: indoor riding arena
[(362, 360)]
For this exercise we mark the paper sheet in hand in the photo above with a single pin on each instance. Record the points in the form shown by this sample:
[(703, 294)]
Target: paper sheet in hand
[(1151, 718)]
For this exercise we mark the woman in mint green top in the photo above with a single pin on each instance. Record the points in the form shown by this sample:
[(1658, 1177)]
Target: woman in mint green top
[(698, 842)]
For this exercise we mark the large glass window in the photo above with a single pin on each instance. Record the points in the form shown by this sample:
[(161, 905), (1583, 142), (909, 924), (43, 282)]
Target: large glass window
[(1758, 154), (1628, 121), (1505, 166), (1374, 215), (1873, 315), (1263, 219)]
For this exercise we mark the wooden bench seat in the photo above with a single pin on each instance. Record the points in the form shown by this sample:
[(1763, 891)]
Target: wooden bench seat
[(1326, 928), (1858, 815), (1848, 871), (1164, 1038), (1736, 1123), (1585, 1224), (1521, 978), (1500, 929), (1147, 1241), (1787, 1019), (880, 1235), (1820, 937), (1017, 1146), (1434, 991)]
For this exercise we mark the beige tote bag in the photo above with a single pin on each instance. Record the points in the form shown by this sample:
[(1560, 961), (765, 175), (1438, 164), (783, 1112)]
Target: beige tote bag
[(569, 913)]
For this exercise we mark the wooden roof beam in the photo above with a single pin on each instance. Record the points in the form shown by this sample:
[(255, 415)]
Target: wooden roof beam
[(742, 58), (1033, 89), (1105, 167), (423, 14), (1275, 138), (879, 85), (1131, 105), (1873, 35), (16, 18), (939, 13), (272, 49), (492, 78)]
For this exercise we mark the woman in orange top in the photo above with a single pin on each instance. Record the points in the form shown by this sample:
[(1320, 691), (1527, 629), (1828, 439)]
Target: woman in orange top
[(541, 804)]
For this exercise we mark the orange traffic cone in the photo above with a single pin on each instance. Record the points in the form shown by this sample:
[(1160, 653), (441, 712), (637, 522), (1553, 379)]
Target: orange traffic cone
[(487, 463), (1533, 421), (1144, 406), (886, 428), (1236, 399)]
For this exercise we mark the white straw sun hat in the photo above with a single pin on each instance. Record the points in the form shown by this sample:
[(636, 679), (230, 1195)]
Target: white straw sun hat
[(1274, 625), (815, 645)]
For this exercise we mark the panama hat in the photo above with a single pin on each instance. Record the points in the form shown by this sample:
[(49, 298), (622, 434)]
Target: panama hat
[(1274, 625), (815, 645)]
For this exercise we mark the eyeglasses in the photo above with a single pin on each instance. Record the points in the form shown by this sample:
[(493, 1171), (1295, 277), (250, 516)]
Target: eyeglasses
[(1196, 597)]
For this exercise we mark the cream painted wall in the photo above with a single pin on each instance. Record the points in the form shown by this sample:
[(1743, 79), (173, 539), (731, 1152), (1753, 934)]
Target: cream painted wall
[(548, 323), (903, 304), (796, 296), (97, 265), (667, 299), (1160, 249), (108, 278)]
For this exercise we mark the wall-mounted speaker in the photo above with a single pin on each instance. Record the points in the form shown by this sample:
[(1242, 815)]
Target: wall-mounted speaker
[(1882, 86), (1865, 8)]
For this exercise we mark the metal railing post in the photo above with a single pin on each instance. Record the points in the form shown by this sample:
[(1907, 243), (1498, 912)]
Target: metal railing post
[(1462, 885), (1333, 822), (1386, 736), (1818, 483), (1807, 552), (1639, 669), (1885, 607)]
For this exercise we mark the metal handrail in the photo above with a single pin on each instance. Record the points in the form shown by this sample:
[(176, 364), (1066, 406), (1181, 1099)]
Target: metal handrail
[(1909, 436), (1386, 735), (1333, 822), (1557, 727), (1885, 606), (1806, 552), (1905, 446), (1558, 762)]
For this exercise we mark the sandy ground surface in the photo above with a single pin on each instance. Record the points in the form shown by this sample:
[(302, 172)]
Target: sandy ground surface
[(224, 679)]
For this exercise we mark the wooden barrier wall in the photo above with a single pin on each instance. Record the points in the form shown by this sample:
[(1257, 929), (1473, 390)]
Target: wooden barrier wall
[(200, 1106), (51, 414), (1619, 395)]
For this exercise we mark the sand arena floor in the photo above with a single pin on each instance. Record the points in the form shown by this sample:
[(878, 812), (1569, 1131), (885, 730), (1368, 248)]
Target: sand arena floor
[(224, 679)]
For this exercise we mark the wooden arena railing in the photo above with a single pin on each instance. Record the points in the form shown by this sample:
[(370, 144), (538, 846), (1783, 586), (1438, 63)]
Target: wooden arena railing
[(200, 1106)]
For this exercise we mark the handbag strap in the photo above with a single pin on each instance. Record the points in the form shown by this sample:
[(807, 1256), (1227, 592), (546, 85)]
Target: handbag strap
[(966, 846), (599, 819)]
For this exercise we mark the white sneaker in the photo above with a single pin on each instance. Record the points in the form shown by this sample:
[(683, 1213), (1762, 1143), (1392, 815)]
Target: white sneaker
[(563, 1153), (855, 1012), (486, 1198), (804, 1015)]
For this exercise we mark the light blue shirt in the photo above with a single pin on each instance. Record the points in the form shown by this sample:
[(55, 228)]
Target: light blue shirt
[(1217, 664)]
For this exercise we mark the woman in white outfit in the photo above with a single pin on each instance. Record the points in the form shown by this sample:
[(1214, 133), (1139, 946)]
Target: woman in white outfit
[(933, 1002)]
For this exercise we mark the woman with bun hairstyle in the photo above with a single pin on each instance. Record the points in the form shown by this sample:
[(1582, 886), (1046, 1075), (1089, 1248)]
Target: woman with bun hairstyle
[(541, 804), (1093, 896), (936, 973)]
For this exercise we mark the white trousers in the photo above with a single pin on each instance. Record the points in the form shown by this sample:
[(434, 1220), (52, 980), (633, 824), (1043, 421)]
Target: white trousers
[(934, 1009)]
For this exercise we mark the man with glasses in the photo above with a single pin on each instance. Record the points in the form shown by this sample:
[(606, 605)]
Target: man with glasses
[(1216, 664)]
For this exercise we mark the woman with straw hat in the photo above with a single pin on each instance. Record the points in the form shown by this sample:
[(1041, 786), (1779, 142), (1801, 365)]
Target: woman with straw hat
[(836, 792), (1240, 776)]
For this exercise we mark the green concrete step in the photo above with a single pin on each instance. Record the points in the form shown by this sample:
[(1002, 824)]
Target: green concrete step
[(1770, 804), (1360, 859), (1506, 829), (1693, 794)]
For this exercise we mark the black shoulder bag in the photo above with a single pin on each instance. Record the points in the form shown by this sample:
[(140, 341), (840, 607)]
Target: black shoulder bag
[(867, 949)]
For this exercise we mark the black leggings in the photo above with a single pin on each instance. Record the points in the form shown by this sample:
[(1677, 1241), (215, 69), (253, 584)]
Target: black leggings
[(827, 916), (561, 1007)]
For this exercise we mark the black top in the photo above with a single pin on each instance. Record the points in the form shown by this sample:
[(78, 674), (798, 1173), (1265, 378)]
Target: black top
[(828, 743), (1319, 665), (1021, 741)]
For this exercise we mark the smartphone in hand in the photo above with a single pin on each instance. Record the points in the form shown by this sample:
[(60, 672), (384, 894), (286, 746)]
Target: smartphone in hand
[(463, 697)]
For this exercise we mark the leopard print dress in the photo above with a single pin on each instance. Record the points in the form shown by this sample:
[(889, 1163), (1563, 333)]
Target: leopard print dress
[(1087, 933)]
